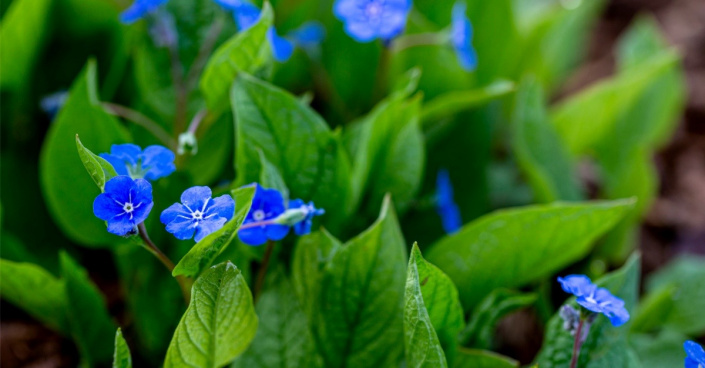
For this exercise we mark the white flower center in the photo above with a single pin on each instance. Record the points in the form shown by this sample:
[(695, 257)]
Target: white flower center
[(374, 9), (197, 215), (258, 215), (128, 207)]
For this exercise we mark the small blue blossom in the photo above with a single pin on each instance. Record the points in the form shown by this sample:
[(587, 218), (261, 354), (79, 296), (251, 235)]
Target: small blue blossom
[(52, 103), (139, 9), (307, 212), (153, 163), (230, 5), (595, 299), (461, 37), (259, 225), (198, 213), (246, 15), (695, 355), (310, 34), (124, 204), (445, 204), (366, 20)]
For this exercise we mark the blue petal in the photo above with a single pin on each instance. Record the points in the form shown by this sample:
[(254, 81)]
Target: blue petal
[(141, 191), (253, 235), (276, 232), (209, 226), (445, 204), (690, 363), (230, 5), (271, 201), (577, 285), (158, 161), (618, 317), (450, 218), (120, 225), (281, 47), (170, 214), (303, 227), (195, 198), (461, 37), (139, 9), (182, 228), (105, 207), (309, 34), (118, 164), (246, 16), (223, 206), (296, 203), (118, 188), (694, 351)]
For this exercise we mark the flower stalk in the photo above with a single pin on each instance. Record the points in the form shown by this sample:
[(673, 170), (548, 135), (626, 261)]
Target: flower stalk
[(152, 248)]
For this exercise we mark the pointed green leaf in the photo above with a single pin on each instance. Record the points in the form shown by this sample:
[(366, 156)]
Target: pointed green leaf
[(312, 253), (481, 328), (89, 322), (470, 358), (121, 356), (453, 102), (606, 345), (270, 177), (68, 190), (36, 291), (296, 140), (218, 325), (359, 305), (664, 349), (246, 51), (98, 168), (509, 248), (202, 254), (283, 339), (539, 150)]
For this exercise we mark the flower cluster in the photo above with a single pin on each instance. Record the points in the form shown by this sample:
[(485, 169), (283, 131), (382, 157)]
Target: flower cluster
[(127, 201), (270, 217), (695, 355), (445, 204), (595, 299)]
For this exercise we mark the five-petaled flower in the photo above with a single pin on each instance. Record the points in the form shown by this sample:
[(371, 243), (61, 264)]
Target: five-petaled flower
[(125, 203), (305, 213), (151, 164), (445, 204), (366, 20), (139, 9), (695, 355), (309, 34), (595, 299), (259, 226), (198, 213), (461, 37)]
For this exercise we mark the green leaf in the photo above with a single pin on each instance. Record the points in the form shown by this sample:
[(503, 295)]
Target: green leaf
[(539, 150), (682, 291), (311, 255), (270, 177), (68, 191), (433, 316), (202, 254), (90, 324), (388, 147), (605, 99), (606, 345), (98, 168), (36, 291), (246, 51), (23, 30), (121, 357), (453, 102), (658, 351), (470, 358), (218, 325), (359, 305), (510, 248), (295, 140), (485, 317), (283, 339)]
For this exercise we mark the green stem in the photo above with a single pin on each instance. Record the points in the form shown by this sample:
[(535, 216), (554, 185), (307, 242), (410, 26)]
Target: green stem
[(259, 282), (141, 120), (577, 344), (417, 40), (152, 248)]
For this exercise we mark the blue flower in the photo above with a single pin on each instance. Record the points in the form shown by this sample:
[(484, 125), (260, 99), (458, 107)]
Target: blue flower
[(246, 15), (151, 164), (52, 103), (197, 213), (595, 299), (230, 5), (259, 226), (366, 20), (310, 34), (139, 9), (695, 355), (445, 204), (461, 37), (307, 212), (124, 204)]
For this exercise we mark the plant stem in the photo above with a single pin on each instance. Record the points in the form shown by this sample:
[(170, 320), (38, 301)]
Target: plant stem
[(152, 248), (259, 282), (180, 91), (141, 120), (416, 40), (204, 52), (196, 121), (577, 344)]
